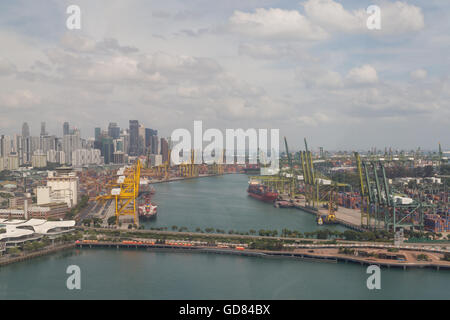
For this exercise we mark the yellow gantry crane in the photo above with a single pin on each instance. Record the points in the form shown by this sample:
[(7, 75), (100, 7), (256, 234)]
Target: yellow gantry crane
[(125, 192)]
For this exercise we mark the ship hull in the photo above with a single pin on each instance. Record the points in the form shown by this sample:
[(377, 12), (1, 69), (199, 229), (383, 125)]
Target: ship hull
[(268, 197), (147, 217)]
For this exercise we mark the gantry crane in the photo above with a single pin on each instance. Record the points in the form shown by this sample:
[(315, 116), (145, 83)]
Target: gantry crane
[(125, 192), (380, 206)]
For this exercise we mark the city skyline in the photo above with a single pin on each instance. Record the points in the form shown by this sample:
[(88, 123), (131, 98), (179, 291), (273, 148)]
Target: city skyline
[(317, 148)]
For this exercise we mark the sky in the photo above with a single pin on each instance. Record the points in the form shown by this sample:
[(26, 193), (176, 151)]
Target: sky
[(309, 68)]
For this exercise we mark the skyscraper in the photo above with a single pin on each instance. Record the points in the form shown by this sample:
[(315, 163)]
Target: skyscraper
[(43, 132), (65, 128), (134, 137), (25, 130), (164, 150), (71, 142), (113, 130), (98, 133)]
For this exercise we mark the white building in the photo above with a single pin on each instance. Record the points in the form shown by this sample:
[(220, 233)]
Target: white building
[(21, 231), (61, 187), (83, 157), (71, 142), (39, 159), (10, 162), (56, 156)]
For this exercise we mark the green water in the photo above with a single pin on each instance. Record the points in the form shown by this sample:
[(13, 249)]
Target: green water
[(131, 274), (218, 202), (222, 202)]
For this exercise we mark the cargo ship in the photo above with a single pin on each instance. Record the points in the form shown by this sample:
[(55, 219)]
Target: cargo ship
[(147, 209), (261, 192)]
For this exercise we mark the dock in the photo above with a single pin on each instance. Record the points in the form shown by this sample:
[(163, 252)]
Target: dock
[(350, 218)]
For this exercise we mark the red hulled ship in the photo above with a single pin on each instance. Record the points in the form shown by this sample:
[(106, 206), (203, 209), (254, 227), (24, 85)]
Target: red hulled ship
[(261, 192)]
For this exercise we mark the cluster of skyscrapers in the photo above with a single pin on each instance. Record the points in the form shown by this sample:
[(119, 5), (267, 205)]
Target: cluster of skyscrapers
[(113, 145), (118, 144), (38, 151)]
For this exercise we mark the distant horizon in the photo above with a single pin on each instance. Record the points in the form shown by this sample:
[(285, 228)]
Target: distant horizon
[(311, 147)]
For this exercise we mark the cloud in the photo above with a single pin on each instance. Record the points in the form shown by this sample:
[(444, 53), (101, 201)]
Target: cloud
[(318, 77), (313, 120), (275, 51), (6, 67), (396, 17), (400, 17), (363, 75), (75, 42), (19, 99), (277, 24), (181, 66), (332, 16), (418, 74)]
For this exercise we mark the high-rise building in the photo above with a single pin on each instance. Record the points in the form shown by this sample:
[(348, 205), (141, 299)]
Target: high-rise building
[(155, 145), (164, 150), (25, 130), (126, 141), (113, 130), (39, 159), (5, 146), (98, 133), (134, 138), (71, 142), (66, 128), (107, 150), (43, 132)]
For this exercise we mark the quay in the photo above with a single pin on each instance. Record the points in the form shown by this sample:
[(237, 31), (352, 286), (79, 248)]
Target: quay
[(349, 218)]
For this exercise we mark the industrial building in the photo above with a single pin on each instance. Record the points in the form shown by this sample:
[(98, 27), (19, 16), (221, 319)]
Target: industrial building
[(62, 186)]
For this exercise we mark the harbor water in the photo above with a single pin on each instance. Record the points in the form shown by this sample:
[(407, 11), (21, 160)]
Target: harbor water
[(136, 274), (221, 202)]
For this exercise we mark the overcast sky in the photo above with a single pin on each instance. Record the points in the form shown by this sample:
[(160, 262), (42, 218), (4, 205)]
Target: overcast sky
[(310, 68)]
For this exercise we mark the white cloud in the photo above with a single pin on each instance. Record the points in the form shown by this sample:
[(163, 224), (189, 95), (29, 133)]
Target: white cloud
[(418, 74), (333, 17), (6, 67), (319, 77), (313, 120), (19, 99), (400, 17), (277, 24), (396, 17), (363, 75), (180, 65)]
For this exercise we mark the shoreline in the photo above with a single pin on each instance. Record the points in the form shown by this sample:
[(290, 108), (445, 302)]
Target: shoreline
[(4, 261), (174, 179), (306, 256)]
